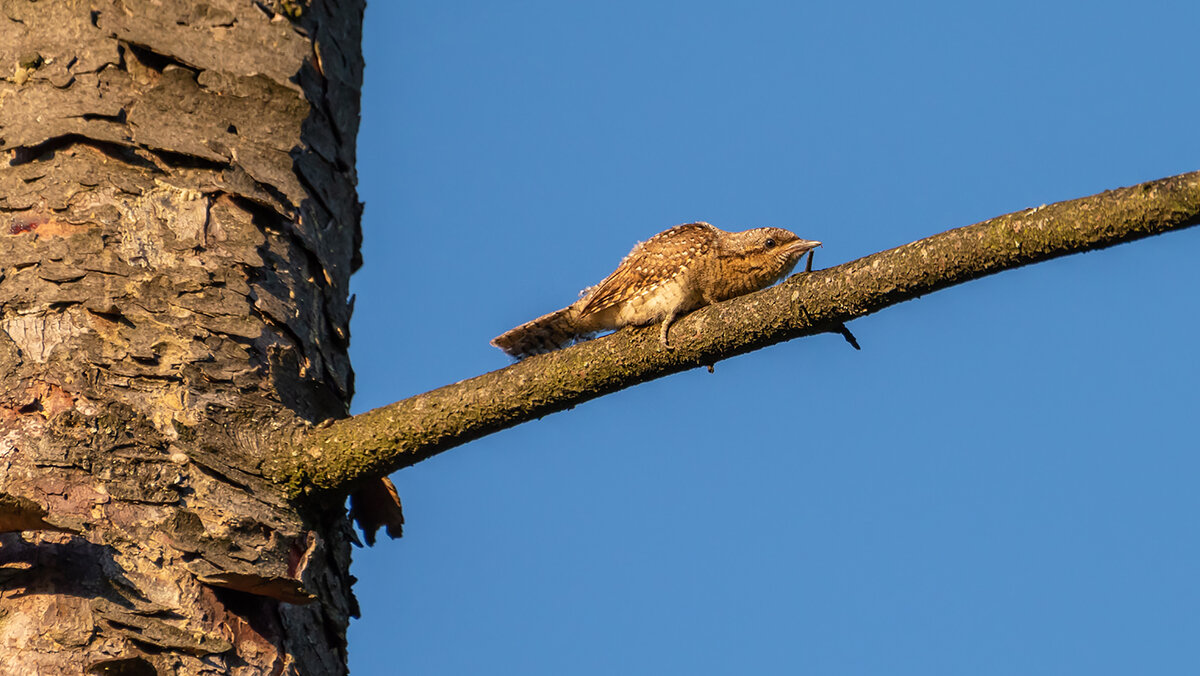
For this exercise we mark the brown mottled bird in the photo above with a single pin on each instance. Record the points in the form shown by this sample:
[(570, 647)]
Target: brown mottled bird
[(668, 275)]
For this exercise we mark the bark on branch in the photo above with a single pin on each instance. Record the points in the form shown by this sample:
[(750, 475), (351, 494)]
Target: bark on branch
[(338, 457)]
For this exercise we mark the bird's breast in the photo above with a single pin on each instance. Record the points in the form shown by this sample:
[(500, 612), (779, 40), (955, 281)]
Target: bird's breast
[(657, 302)]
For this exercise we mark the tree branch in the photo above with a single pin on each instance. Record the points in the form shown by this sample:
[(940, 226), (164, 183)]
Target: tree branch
[(339, 456)]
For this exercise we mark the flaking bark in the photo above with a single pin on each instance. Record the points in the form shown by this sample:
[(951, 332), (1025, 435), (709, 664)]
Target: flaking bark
[(178, 225), (377, 442)]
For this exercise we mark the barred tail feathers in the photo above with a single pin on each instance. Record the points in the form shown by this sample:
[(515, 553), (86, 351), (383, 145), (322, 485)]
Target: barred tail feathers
[(544, 334)]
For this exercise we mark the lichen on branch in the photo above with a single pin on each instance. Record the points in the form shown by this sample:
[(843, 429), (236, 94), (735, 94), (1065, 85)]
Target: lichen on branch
[(337, 457)]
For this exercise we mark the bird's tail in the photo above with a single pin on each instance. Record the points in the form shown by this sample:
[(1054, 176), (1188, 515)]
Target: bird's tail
[(548, 332)]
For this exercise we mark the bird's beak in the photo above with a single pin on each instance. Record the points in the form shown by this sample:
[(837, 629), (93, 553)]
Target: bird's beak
[(802, 245)]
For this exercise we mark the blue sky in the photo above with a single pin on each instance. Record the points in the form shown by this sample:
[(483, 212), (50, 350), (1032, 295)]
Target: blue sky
[(1002, 481)]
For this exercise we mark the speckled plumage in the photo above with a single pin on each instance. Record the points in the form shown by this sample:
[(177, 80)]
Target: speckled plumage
[(670, 274)]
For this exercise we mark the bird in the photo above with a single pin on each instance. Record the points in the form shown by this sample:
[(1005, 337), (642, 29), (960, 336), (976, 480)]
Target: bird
[(672, 273)]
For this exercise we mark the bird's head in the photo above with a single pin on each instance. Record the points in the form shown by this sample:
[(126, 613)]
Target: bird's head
[(755, 259)]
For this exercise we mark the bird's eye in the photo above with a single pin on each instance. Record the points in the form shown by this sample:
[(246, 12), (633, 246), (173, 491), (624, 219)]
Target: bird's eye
[(770, 243)]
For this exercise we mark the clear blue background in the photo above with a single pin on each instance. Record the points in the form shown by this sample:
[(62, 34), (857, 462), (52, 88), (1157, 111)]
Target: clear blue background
[(1004, 479)]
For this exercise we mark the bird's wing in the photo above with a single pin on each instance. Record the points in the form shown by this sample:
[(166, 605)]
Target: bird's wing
[(649, 264)]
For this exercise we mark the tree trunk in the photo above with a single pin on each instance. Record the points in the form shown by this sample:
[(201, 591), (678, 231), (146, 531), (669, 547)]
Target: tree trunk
[(178, 224)]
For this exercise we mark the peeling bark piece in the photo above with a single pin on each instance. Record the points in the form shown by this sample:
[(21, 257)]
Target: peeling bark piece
[(148, 629), (186, 32), (377, 505), (92, 105), (19, 514), (254, 125), (60, 273), (66, 40), (269, 567), (278, 588), (176, 93), (37, 335), (59, 180)]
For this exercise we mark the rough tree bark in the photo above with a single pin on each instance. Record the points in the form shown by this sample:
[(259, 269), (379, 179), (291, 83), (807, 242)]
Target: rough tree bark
[(178, 225)]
